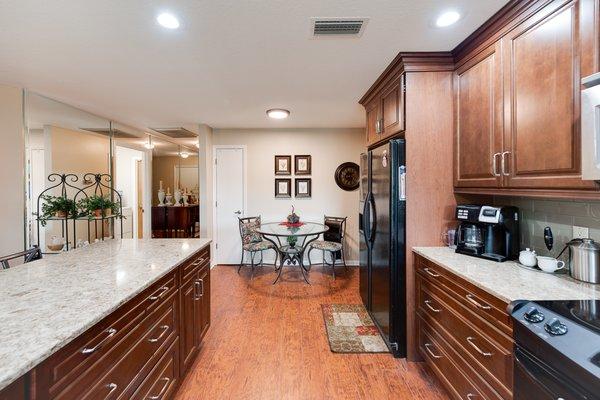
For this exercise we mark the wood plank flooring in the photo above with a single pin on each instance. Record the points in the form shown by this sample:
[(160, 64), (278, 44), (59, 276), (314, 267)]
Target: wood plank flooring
[(269, 342)]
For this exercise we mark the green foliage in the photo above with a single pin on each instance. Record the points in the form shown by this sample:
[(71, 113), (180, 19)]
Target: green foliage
[(89, 205), (56, 204)]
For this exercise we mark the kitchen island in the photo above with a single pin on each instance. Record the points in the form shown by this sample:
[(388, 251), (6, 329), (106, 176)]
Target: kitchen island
[(91, 310)]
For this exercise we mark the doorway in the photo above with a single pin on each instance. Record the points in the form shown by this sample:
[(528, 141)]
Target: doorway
[(229, 179), (139, 172)]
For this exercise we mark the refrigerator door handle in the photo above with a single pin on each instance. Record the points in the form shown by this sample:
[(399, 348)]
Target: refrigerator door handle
[(365, 219), (372, 218)]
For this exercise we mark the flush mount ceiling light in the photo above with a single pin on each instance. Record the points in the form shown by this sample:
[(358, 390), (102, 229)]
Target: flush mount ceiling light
[(278, 113), (149, 145), (184, 154), (446, 19), (168, 21)]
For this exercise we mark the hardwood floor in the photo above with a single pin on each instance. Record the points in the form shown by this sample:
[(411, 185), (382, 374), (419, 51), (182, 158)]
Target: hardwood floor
[(269, 342)]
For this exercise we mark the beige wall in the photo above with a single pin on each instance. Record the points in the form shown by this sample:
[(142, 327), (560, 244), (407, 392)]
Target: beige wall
[(12, 153), (163, 169), (328, 148), (77, 152)]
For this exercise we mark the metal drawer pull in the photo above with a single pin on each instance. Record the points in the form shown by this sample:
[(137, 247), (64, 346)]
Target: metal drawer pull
[(198, 262), (495, 164), (112, 387), (88, 350), (162, 391), (428, 304), (503, 163), (431, 273), (471, 341), (199, 284), (165, 328), (431, 353), (471, 298), (163, 290)]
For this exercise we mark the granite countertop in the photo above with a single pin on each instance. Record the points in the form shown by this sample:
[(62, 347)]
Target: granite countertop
[(509, 281), (47, 303)]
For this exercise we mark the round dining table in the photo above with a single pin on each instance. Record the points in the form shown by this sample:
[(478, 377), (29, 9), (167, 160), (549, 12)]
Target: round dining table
[(291, 241)]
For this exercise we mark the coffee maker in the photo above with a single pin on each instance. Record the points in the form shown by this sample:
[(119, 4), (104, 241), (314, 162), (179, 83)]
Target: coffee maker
[(488, 232)]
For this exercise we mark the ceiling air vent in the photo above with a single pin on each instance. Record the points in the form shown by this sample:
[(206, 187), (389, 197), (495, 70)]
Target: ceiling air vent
[(176, 133), (353, 27)]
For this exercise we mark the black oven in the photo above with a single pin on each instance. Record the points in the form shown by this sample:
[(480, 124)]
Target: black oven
[(557, 350)]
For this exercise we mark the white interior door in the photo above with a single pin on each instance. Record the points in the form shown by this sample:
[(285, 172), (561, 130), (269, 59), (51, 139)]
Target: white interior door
[(229, 203)]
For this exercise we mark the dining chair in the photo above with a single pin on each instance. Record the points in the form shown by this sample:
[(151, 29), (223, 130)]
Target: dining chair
[(253, 242), (28, 255), (332, 243)]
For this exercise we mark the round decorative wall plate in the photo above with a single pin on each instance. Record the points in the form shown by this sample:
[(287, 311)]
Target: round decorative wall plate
[(347, 176)]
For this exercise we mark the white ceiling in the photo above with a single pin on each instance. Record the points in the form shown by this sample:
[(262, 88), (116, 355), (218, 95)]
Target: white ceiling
[(229, 62)]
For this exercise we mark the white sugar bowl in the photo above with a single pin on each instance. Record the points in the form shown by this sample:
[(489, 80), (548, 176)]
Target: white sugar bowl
[(528, 258)]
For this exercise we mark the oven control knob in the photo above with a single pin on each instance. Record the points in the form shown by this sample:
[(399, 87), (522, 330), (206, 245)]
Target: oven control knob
[(534, 315), (555, 327)]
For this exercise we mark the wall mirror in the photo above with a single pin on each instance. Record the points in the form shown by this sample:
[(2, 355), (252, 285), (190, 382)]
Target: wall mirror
[(61, 140)]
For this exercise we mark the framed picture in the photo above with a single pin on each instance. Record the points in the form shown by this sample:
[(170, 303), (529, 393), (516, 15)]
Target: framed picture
[(283, 165), (302, 165), (283, 187), (303, 187)]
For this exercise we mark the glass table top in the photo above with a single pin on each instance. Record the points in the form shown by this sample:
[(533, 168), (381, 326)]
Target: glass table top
[(277, 229)]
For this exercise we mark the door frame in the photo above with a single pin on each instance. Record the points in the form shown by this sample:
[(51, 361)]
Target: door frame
[(215, 226)]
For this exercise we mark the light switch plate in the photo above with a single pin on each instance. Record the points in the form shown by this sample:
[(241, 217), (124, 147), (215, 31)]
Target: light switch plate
[(580, 232)]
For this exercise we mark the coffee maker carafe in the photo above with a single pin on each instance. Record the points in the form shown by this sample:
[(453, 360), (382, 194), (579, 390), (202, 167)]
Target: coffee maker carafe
[(488, 232)]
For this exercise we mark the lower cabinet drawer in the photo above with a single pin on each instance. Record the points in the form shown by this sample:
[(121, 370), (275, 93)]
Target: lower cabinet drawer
[(435, 353), (485, 355), (162, 381), (153, 335)]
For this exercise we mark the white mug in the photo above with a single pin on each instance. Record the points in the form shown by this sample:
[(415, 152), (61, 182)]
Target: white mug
[(549, 264)]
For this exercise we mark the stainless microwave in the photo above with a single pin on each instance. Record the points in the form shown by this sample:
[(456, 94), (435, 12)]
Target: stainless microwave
[(590, 128)]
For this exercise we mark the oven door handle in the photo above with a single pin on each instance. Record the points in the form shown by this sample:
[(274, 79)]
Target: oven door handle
[(533, 369)]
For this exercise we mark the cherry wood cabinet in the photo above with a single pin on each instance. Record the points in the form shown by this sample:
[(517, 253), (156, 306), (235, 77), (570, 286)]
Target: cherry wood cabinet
[(385, 112), (478, 119), (139, 351), (464, 334), (517, 111)]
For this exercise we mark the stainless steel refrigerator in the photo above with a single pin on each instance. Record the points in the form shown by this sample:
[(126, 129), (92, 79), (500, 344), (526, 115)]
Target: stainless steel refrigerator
[(382, 224)]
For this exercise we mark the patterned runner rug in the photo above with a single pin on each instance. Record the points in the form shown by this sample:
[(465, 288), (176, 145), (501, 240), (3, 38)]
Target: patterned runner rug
[(350, 329)]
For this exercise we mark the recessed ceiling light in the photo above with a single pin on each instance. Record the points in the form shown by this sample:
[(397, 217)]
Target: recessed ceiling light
[(278, 113), (168, 20), (446, 19)]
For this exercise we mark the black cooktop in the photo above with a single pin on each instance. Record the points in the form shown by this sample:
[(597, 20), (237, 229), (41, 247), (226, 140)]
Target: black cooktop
[(586, 313)]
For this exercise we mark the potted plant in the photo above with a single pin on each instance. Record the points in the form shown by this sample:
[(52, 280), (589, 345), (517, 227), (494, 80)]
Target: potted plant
[(98, 206), (56, 207)]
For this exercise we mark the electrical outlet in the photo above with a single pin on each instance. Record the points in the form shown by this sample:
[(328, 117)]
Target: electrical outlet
[(580, 232)]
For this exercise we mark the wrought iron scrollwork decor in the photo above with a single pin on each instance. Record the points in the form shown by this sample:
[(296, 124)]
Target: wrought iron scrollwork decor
[(100, 187)]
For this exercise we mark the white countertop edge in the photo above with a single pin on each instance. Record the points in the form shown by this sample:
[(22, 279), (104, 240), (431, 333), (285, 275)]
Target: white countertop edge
[(576, 290)]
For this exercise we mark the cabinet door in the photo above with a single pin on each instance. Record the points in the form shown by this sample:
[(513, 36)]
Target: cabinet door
[(478, 130), (189, 322), (373, 116), (392, 108), (542, 92), (203, 308)]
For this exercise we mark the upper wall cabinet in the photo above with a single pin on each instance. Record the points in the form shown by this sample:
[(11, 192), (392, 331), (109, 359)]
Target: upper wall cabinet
[(478, 107), (518, 103), (542, 91), (385, 112)]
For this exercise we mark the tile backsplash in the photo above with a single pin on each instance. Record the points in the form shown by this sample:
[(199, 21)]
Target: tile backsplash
[(559, 215)]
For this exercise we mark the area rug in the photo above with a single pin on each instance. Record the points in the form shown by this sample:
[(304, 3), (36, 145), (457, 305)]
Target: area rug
[(350, 329)]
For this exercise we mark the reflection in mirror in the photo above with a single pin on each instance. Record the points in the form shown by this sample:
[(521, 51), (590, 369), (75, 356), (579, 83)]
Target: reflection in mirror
[(132, 166), (175, 184), (61, 139)]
